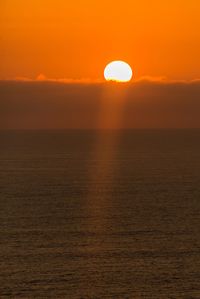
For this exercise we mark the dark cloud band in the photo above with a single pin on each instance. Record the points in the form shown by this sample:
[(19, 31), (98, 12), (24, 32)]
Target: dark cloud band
[(144, 104)]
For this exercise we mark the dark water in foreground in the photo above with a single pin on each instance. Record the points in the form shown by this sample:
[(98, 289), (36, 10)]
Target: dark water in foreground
[(100, 214)]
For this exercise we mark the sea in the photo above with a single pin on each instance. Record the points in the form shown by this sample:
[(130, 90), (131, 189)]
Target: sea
[(100, 214)]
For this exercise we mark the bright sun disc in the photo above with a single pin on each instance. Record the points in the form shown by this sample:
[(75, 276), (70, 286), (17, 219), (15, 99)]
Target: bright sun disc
[(118, 71)]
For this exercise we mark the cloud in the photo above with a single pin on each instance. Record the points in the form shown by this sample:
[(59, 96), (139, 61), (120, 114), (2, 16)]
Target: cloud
[(41, 77), (152, 79), (20, 79), (44, 78), (46, 103), (143, 79)]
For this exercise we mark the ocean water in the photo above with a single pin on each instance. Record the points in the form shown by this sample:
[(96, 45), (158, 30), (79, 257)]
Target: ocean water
[(100, 214)]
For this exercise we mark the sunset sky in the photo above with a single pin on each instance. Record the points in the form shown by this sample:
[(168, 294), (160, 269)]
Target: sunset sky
[(76, 39), (53, 54)]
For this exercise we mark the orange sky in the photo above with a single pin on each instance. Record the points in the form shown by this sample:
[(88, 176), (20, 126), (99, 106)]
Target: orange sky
[(76, 39)]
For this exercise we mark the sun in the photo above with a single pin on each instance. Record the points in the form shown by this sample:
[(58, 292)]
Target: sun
[(118, 71)]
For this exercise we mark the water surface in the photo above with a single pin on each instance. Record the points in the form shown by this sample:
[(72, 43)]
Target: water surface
[(100, 214)]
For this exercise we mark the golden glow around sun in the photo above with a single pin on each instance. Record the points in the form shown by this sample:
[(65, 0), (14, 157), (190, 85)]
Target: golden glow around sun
[(118, 71)]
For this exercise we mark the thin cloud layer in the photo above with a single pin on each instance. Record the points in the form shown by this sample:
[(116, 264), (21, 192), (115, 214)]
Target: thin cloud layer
[(53, 104), (43, 78)]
